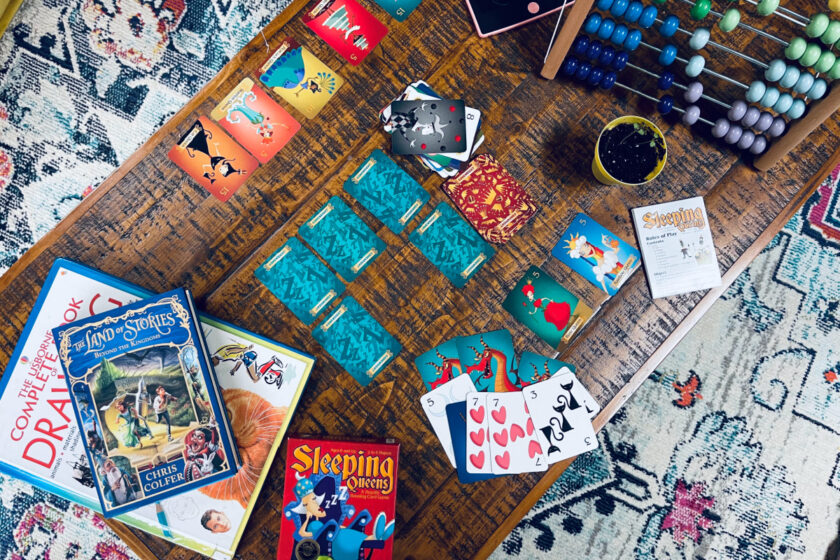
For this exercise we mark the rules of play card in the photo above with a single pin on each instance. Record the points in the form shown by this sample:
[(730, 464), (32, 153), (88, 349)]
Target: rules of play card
[(677, 247)]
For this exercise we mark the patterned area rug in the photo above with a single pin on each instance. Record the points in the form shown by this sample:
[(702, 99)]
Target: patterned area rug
[(731, 449), (83, 83)]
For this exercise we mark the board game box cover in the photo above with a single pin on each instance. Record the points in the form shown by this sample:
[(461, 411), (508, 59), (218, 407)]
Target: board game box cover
[(339, 500)]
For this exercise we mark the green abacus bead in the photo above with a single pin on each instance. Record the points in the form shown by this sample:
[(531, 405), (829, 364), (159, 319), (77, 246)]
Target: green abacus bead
[(767, 7), (825, 62), (659, 1), (832, 34), (817, 26), (811, 55), (730, 20), (701, 9), (796, 48), (834, 73)]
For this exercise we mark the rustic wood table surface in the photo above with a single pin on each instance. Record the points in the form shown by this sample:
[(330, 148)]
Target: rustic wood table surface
[(152, 225)]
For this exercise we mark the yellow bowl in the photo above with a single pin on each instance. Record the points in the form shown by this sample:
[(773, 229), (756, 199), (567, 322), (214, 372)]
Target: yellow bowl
[(598, 168)]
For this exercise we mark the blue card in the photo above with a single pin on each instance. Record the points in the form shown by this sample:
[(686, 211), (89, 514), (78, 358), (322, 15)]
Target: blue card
[(439, 365), (592, 251), (342, 238), (303, 283), (489, 359), (357, 342), (456, 415), (385, 189), (451, 244), (398, 9), (534, 368)]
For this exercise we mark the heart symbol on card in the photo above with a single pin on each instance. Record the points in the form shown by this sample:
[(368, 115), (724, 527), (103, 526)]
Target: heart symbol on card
[(503, 460), (534, 448), (477, 460), (501, 438), (477, 414), (516, 431), (499, 415), (477, 437), (526, 408), (529, 426)]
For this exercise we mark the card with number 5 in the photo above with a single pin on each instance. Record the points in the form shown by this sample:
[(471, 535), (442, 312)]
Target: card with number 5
[(347, 27), (434, 405)]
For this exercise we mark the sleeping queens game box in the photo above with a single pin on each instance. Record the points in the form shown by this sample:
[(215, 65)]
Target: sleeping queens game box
[(338, 500)]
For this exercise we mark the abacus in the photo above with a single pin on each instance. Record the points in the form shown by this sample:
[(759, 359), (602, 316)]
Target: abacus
[(599, 48)]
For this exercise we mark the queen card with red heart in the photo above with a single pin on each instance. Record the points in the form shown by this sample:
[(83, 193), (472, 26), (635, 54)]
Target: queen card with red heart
[(514, 447), (478, 440), (346, 26)]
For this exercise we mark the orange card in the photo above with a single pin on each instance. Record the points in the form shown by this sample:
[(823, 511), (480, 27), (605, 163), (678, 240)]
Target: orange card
[(213, 159), (255, 120)]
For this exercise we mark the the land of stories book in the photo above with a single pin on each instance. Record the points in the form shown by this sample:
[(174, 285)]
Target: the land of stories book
[(115, 364)]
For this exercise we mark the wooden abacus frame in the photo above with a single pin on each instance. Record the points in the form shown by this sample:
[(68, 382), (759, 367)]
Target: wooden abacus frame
[(818, 111)]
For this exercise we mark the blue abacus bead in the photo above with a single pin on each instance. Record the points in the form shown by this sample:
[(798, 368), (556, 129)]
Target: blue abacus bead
[(771, 95), (633, 40), (594, 50), (666, 80), (648, 17), (797, 109), (733, 134), (668, 55), (620, 61), (693, 92), (721, 128), (604, 5), (605, 29), (775, 70), (580, 45), (756, 91), (751, 116), (592, 23), (737, 111), (634, 10), (583, 70), (595, 76), (791, 76), (691, 115), (764, 121), (608, 80), (818, 89), (619, 34), (619, 7), (666, 103), (669, 26), (777, 128), (784, 103), (758, 145), (607, 55), (699, 38), (570, 66), (695, 66), (747, 138), (804, 83)]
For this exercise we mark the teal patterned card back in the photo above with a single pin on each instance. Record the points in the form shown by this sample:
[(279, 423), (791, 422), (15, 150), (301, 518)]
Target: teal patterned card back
[(342, 238), (387, 191), (303, 283), (357, 341), (451, 244)]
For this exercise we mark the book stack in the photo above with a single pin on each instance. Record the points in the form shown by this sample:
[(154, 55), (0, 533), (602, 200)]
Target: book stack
[(140, 407)]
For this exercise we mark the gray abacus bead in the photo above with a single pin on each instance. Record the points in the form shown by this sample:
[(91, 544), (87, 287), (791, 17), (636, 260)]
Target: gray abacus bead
[(777, 128), (734, 134), (746, 140), (737, 111), (764, 121), (693, 92), (691, 115), (758, 145), (721, 128), (751, 116)]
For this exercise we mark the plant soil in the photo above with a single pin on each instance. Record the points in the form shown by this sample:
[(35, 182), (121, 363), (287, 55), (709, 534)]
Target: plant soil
[(629, 152)]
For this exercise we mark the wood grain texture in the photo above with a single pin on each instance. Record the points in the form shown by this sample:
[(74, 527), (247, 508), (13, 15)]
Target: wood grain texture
[(152, 225)]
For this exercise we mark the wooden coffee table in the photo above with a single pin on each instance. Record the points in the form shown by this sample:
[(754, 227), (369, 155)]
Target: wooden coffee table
[(150, 224)]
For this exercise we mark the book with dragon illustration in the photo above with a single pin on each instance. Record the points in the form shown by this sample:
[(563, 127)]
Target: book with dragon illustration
[(142, 390), (339, 500)]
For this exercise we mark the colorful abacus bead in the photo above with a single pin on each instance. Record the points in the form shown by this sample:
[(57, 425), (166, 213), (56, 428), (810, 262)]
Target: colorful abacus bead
[(666, 103)]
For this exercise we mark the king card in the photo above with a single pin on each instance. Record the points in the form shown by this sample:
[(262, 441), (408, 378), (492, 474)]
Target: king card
[(255, 120), (489, 359), (434, 405), (491, 199), (213, 159), (428, 127), (342, 238), (562, 425), (514, 447), (298, 77), (398, 9), (478, 438), (387, 191), (592, 251), (439, 365), (345, 26), (451, 245), (357, 341), (456, 415), (547, 308), (299, 280), (533, 368)]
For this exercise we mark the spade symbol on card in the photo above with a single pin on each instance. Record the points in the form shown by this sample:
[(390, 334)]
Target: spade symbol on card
[(427, 126)]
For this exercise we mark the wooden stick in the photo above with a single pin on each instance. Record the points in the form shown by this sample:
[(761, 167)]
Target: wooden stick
[(818, 113), (567, 34)]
